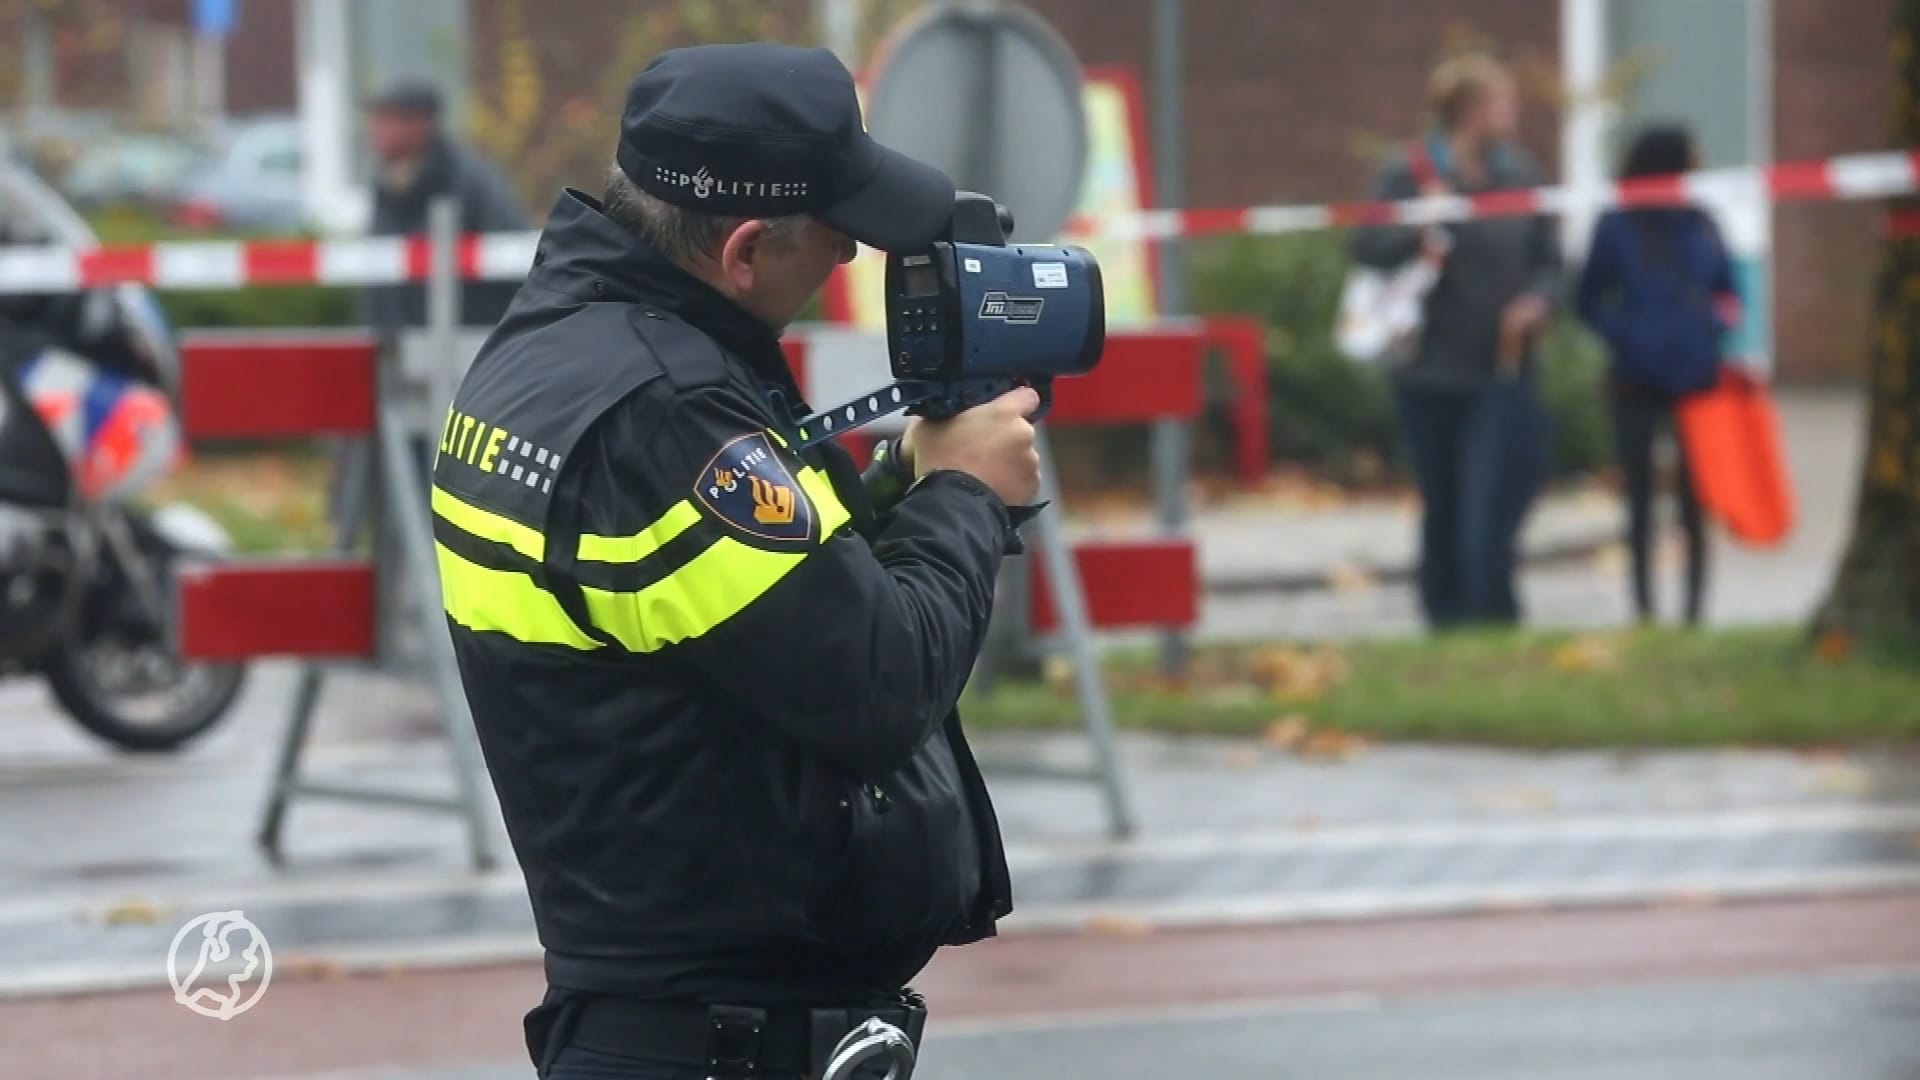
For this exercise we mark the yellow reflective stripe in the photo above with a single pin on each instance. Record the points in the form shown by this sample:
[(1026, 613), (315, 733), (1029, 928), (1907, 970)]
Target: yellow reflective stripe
[(631, 549), (488, 525), (694, 599), (483, 599), (826, 504)]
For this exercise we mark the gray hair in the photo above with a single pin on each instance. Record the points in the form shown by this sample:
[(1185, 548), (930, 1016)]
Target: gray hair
[(684, 236)]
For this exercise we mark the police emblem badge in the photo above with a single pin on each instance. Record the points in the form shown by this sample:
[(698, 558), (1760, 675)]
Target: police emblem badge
[(748, 486)]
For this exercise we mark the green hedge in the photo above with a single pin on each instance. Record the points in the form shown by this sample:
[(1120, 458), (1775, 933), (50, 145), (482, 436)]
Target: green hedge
[(1337, 416), (196, 309)]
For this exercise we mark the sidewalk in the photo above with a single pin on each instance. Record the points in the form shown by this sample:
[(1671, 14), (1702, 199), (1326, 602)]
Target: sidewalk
[(103, 858), (1316, 573)]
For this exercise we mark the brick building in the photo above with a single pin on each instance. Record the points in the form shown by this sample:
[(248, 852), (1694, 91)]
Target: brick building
[(1283, 96)]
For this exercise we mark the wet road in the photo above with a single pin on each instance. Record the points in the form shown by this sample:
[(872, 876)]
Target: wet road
[(1826, 988)]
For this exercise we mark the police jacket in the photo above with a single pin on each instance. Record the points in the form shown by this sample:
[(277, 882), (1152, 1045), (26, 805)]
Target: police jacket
[(714, 685)]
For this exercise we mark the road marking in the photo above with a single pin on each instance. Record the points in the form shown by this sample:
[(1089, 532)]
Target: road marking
[(1722, 824)]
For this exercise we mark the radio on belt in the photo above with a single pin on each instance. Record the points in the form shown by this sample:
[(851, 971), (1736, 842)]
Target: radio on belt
[(972, 317)]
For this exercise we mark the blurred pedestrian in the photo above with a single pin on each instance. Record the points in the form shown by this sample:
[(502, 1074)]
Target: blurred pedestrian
[(1658, 288), (1466, 397), (416, 161)]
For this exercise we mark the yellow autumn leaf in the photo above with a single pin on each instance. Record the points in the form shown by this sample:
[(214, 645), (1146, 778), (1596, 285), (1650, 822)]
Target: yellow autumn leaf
[(132, 912), (1351, 578), (1113, 924), (1288, 731), (1583, 654), (1332, 745)]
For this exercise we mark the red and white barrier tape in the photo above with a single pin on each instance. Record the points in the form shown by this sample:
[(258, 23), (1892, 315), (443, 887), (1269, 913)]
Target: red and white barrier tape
[(506, 256)]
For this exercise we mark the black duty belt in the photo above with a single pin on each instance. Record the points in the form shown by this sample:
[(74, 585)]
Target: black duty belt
[(729, 1040)]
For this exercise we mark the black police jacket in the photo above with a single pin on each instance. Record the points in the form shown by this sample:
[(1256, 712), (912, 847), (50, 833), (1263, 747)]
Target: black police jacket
[(713, 685)]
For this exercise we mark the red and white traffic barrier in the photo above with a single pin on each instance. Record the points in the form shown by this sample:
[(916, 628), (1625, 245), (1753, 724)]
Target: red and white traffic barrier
[(297, 384), (506, 256)]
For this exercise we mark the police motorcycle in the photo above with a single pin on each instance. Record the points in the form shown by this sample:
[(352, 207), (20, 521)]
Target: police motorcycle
[(88, 384)]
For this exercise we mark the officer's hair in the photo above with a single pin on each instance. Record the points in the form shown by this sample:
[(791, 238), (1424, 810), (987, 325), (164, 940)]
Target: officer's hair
[(684, 236)]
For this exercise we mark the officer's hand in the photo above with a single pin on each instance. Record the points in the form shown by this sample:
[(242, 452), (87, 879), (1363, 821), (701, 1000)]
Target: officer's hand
[(992, 443)]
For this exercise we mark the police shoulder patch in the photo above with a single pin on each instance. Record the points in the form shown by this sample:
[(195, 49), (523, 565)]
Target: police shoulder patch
[(749, 486)]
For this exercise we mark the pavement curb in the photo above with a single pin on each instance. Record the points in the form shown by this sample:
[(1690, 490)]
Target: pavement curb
[(1118, 920), (1555, 553)]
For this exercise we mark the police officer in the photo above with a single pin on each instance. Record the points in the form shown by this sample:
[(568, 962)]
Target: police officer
[(713, 674)]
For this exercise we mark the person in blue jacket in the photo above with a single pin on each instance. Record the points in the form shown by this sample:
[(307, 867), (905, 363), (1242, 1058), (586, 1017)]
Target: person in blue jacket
[(1658, 288)]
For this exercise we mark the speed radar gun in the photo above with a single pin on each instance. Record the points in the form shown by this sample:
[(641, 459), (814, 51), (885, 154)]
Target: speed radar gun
[(973, 317)]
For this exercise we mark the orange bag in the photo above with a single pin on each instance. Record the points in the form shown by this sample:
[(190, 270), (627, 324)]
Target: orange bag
[(1732, 439)]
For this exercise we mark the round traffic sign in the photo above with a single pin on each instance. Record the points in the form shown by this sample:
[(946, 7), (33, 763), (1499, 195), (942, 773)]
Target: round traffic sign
[(992, 94)]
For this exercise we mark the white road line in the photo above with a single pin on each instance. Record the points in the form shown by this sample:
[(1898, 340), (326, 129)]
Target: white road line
[(1731, 823)]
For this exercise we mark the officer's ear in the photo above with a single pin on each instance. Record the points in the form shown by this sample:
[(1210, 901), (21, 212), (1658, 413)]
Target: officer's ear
[(743, 254)]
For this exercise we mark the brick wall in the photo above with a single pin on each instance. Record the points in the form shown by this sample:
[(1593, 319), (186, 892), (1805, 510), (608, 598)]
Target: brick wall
[(1830, 97), (1288, 101)]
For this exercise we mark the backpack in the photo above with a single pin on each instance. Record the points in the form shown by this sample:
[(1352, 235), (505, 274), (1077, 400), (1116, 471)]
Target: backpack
[(1669, 336)]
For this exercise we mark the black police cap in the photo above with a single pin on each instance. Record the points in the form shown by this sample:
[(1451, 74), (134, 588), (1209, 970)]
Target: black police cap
[(763, 130)]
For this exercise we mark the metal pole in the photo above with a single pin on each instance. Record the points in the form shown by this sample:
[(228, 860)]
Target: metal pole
[(1170, 499), (443, 310), (407, 507), (1169, 146), (1063, 578), (1760, 69), (322, 43), (840, 29), (1169, 156), (1583, 61)]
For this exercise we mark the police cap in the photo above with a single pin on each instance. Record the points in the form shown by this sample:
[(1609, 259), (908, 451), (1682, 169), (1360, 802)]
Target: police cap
[(765, 130)]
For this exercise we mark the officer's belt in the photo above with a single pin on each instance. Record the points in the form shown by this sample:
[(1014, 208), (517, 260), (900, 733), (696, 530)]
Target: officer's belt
[(731, 1040)]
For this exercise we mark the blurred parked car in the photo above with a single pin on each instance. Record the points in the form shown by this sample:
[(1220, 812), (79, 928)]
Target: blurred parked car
[(149, 171), (253, 185)]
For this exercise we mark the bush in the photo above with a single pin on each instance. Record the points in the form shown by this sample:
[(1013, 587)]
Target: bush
[(194, 309), (1336, 416)]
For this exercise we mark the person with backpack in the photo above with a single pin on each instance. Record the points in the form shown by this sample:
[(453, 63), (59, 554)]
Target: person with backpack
[(1658, 288)]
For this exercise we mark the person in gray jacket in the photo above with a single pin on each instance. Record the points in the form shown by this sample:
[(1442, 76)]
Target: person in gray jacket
[(415, 161), (1466, 398)]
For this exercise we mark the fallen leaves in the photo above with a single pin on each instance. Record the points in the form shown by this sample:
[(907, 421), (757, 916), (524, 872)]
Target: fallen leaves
[(1296, 734), (1115, 925), (1288, 732), (308, 968), (1834, 646), (1842, 779), (1291, 673), (132, 913), (1587, 653), (1351, 578)]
